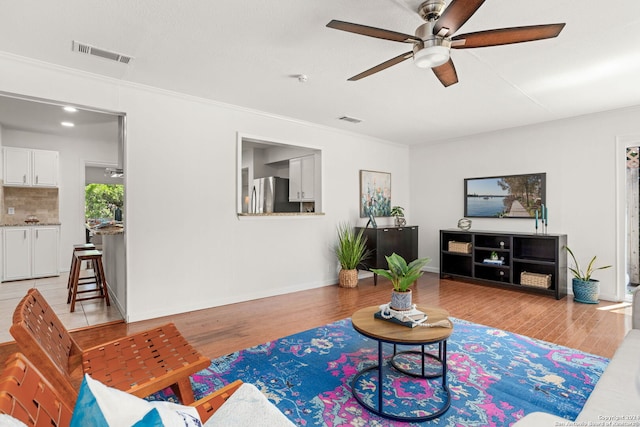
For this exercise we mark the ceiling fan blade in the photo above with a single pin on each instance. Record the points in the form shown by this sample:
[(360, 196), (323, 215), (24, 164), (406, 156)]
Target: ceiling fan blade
[(373, 32), (455, 15), (446, 73), (398, 59), (503, 36)]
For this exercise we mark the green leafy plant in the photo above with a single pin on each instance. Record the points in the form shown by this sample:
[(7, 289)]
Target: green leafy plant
[(401, 274), (397, 211), (585, 275), (351, 248), (101, 200)]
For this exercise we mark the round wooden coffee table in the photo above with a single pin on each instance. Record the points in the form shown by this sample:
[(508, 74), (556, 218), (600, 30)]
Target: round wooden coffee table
[(384, 331)]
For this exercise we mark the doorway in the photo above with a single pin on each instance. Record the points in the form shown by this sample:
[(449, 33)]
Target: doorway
[(628, 217), (97, 139), (103, 201)]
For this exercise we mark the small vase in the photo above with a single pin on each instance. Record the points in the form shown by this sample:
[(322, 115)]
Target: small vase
[(401, 301), (586, 292), (400, 221)]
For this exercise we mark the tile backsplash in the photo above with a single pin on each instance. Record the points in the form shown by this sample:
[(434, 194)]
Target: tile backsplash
[(41, 202)]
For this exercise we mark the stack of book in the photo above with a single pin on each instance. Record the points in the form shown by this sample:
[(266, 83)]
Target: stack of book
[(409, 319), (493, 261)]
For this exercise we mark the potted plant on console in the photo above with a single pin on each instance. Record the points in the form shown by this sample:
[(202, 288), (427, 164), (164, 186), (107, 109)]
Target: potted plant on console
[(351, 250), (397, 212), (585, 289), (402, 276)]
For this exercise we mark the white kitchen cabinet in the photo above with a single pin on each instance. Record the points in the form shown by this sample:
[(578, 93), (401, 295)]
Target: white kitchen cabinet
[(44, 168), (17, 166), (302, 179), (17, 253), (30, 252), (30, 168), (44, 252)]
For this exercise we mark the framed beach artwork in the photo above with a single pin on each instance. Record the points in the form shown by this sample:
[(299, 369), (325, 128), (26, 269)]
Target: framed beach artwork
[(509, 196), (375, 194)]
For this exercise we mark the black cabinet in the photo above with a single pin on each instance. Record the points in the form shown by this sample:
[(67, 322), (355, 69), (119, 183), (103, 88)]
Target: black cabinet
[(384, 241), (524, 261)]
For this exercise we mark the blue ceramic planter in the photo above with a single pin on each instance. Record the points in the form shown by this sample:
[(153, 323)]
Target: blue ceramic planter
[(586, 292)]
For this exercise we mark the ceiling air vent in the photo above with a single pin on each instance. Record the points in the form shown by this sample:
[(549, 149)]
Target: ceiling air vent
[(350, 119), (102, 53)]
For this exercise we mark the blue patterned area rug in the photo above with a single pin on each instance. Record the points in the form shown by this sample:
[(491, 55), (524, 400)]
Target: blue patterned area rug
[(495, 377)]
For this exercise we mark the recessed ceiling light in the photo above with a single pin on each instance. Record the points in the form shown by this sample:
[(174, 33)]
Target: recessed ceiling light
[(70, 109), (67, 124)]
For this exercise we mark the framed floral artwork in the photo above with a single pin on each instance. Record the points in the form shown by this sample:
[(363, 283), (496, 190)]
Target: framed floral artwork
[(375, 193)]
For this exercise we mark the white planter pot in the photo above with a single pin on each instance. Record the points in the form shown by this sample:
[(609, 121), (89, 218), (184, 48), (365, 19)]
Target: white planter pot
[(401, 300)]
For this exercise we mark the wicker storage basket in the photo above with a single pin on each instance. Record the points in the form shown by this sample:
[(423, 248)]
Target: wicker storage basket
[(348, 278), (535, 279), (462, 247)]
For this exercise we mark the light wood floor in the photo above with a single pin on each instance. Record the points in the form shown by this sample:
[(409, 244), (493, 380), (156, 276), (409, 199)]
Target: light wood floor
[(596, 329)]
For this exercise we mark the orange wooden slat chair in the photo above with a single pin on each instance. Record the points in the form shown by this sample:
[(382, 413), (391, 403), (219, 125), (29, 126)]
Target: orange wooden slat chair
[(27, 395), (140, 364)]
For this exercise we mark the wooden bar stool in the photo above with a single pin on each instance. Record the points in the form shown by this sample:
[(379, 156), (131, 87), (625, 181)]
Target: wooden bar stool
[(98, 288), (76, 248)]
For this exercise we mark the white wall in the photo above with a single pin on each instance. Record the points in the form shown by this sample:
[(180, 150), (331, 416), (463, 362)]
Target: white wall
[(73, 154), (96, 175), (578, 156), (186, 248), (214, 257)]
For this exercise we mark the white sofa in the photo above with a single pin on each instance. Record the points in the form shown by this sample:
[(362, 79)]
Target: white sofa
[(615, 400)]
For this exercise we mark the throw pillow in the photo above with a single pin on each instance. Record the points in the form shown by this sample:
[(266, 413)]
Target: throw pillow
[(8, 421), (101, 406), (248, 407)]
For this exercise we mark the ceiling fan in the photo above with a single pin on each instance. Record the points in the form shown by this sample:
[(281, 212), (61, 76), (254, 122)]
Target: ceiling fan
[(433, 40)]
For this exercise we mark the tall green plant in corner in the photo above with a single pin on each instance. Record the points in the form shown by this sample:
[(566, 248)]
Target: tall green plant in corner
[(350, 250)]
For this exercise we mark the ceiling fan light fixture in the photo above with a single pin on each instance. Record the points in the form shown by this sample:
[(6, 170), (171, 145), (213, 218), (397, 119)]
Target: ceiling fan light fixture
[(431, 56)]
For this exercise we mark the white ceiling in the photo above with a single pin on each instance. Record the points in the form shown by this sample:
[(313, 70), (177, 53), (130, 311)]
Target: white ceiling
[(44, 117), (248, 52)]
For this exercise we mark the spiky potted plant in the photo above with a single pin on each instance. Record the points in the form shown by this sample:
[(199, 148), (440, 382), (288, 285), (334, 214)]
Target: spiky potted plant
[(350, 250), (402, 276), (585, 289)]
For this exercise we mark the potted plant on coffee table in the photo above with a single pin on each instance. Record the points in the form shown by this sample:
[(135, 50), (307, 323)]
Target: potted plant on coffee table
[(351, 250), (585, 289), (402, 276)]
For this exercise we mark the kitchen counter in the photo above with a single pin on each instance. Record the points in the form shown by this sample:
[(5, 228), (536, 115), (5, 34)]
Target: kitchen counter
[(111, 240), (29, 224), (108, 230), (283, 214), (114, 263)]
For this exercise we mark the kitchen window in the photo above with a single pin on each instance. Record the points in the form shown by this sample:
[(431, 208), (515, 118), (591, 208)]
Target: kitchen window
[(278, 179)]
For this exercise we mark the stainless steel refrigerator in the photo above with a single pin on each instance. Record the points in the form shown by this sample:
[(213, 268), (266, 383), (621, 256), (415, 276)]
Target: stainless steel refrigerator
[(271, 194)]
